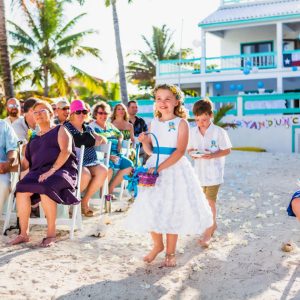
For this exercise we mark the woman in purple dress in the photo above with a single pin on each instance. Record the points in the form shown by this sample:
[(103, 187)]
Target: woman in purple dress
[(52, 177)]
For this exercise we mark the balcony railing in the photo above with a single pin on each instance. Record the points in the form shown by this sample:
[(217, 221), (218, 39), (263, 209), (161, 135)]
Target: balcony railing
[(176, 66), (264, 60), (257, 61)]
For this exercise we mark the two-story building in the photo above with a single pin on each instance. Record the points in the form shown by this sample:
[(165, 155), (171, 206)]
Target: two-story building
[(258, 71)]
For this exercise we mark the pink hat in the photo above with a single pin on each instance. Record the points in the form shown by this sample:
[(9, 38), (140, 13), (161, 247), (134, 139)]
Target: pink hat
[(77, 105)]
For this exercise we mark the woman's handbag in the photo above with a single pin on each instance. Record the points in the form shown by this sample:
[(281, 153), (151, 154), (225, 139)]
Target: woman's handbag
[(140, 175)]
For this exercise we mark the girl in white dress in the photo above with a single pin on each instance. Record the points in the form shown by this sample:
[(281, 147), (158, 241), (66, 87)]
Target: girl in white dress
[(176, 204)]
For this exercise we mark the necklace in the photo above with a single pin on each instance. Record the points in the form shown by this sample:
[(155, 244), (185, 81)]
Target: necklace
[(42, 132)]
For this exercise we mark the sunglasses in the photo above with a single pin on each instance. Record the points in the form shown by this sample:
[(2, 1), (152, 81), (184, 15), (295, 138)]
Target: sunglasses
[(65, 108), (84, 112), (13, 105), (102, 113)]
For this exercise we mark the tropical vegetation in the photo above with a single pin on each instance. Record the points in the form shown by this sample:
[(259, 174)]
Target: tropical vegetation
[(5, 68), (141, 68), (48, 39)]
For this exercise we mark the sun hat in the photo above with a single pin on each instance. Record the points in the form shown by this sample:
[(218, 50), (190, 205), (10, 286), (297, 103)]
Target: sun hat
[(77, 105), (62, 103)]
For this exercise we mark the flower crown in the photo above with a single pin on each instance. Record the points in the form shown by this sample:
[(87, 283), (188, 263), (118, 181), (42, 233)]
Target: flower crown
[(172, 88)]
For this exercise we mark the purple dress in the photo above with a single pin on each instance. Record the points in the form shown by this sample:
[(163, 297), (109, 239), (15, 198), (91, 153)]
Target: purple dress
[(41, 153)]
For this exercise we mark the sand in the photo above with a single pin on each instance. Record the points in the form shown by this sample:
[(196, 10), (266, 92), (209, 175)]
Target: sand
[(245, 260)]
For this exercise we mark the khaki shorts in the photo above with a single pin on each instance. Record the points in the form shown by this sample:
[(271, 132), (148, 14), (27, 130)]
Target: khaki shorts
[(211, 192)]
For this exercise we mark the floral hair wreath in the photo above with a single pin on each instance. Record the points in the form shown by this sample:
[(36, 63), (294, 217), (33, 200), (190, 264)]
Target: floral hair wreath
[(175, 90)]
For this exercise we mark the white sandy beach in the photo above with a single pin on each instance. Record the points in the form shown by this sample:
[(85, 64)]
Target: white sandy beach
[(245, 260)]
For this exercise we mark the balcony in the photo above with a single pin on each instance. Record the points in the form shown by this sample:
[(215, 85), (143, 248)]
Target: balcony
[(257, 61)]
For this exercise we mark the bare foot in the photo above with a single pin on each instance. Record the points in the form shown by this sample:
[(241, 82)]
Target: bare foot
[(170, 260), (19, 239), (153, 253), (206, 239), (47, 242)]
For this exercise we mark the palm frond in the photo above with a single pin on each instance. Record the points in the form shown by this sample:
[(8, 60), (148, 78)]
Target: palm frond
[(68, 26), (88, 80), (22, 49), (58, 74), (37, 78), (222, 113), (19, 82), (90, 50), (20, 66), (32, 23), (22, 36), (50, 16), (74, 39)]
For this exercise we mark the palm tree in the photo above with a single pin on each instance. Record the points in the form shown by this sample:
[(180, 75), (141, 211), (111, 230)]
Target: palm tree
[(49, 39), (4, 55), (160, 46), (221, 113), (122, 77)]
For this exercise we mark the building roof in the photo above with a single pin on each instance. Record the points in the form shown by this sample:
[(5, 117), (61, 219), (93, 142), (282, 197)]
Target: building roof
[(251, 12)]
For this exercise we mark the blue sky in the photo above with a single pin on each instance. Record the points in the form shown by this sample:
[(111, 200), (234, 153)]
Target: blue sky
[(135, 20)]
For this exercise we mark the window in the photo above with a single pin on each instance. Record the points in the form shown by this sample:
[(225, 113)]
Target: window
[(259, 47), (262, 61)]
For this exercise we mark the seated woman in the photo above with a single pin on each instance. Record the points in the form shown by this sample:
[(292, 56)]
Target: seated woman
[(294, 207), (52, 177), (120, 118), (94, 174), (117, 161)]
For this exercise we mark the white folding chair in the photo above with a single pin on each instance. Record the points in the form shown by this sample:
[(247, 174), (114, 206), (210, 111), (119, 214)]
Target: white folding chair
[(11, 201), (103, 155), (10, 211), (126, 152)]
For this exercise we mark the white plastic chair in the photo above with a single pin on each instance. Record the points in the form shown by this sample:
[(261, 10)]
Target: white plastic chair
[(103, 155), (11, 203), (10, 206), (126, 152)]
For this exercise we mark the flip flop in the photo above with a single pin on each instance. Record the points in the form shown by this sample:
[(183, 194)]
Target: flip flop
[(47, 242)]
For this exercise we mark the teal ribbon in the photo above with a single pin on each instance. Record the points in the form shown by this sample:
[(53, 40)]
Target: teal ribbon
[(133, 180), (163, 150)]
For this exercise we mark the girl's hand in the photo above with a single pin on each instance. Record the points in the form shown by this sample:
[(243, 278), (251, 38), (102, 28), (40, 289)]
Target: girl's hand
[(142, 137), (47, 174), (151, 170)]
